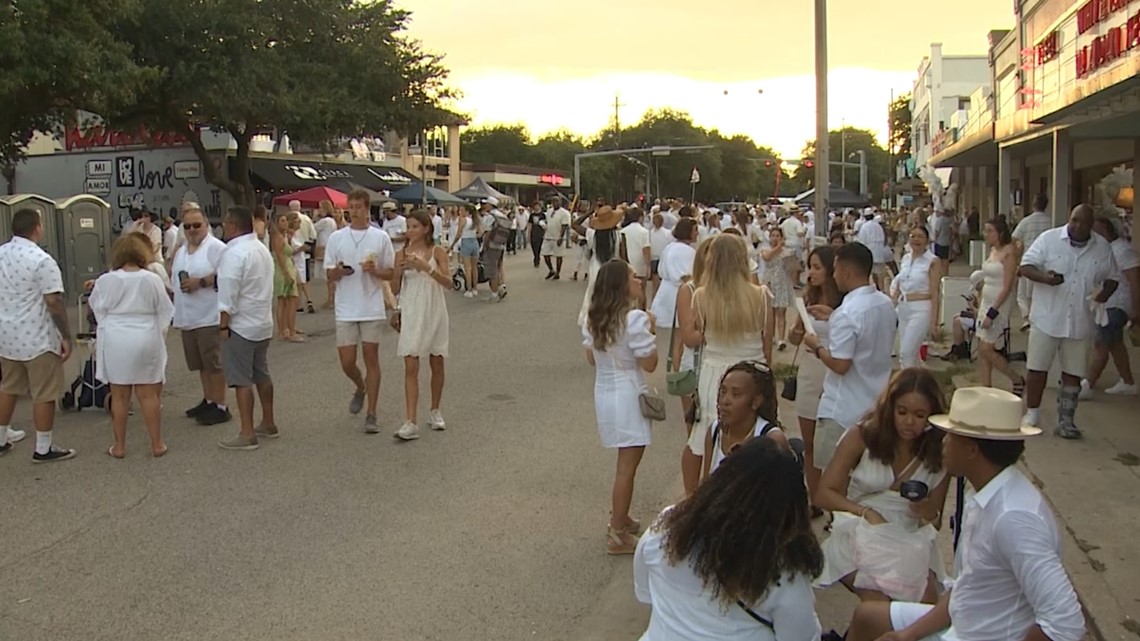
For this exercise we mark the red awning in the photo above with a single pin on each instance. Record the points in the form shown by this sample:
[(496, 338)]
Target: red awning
[(311, 198)]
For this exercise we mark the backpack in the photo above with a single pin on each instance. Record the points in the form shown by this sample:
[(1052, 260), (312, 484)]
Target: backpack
[(500, 231)]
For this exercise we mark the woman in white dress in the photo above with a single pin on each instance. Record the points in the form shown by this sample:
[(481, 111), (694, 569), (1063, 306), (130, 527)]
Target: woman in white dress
[(675, 266), (734, 561), (915, 291), (133, 312), (821, 290), (683, 358), (601, 247), (862, 486), (999, 290), (733, 322), (778, 281), (620, 344), (328, 221), (421, 278)]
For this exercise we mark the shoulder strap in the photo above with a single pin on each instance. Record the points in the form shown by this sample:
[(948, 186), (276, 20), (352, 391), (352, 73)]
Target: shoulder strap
[(759, 619)]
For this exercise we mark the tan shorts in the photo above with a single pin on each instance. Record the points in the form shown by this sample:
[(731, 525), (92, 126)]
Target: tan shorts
[(827, 434), (352, 333), (203, 349), (40, 378), (1043, 348)]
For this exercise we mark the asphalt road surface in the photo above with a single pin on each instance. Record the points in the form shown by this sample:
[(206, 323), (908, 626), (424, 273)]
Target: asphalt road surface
[(494, 529)]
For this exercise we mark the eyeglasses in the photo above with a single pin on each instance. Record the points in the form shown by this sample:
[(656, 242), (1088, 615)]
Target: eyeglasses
[(758, 367), (191, 225)]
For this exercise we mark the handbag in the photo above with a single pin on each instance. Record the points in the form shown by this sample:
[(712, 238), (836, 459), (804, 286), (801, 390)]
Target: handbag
[(684, 382), (652, 406), (791, 381)]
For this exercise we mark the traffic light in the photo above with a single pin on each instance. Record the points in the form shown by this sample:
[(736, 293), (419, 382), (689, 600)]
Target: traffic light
[(767, 163), (810, 164)]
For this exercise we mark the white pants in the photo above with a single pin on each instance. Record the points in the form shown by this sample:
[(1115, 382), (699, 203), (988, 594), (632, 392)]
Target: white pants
[(1024, 296), (914, 328)]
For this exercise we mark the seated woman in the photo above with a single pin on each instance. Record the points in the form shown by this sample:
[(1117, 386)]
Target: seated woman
[(753, 584), (965, 321), (862, 484), (746, 406)]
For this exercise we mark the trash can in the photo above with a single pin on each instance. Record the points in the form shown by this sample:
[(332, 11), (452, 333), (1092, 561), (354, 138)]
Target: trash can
[(12, 204), (85, 240), (977, 253)]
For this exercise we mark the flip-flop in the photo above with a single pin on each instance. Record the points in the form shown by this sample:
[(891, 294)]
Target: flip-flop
[(160, 454), (111, 453)]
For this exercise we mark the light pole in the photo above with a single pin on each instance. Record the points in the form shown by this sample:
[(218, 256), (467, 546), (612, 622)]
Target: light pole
[(862, 169), (822, 155), (843, 152)]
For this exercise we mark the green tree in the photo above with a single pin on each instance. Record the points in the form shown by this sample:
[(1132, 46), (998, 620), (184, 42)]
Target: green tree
[(318, 69), (502, 144), (854, 140), (556, 150), (899, 143)]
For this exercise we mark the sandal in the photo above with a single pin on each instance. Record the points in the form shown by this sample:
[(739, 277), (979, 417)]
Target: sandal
[(111, 453), (160, 453), (619, 542)]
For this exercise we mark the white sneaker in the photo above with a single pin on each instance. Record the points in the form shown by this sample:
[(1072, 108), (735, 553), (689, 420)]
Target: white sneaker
[(15, 436), (435, 420), (469, 294), (408, 431), (1086, 392), (493, 298), (1032, 417), (1120, 389)]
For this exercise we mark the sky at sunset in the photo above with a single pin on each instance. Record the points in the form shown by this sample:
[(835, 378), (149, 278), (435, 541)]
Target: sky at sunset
[(561, 67)]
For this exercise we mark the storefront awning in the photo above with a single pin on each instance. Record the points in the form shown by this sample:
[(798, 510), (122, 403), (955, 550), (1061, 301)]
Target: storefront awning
[(280, 174), (976, 150)]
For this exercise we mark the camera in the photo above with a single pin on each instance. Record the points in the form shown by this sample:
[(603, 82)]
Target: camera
[(913, 490)]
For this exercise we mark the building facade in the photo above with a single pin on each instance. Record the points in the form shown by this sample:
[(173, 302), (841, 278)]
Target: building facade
[(943, 89)]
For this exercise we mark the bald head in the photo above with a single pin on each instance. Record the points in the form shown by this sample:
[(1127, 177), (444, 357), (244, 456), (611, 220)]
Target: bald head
[(295, 206), (1081, 223)]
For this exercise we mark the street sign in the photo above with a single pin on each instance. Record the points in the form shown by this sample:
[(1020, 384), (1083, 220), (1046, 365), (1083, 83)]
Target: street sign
[(696, 177)]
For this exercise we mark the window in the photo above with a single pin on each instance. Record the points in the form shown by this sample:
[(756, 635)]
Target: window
[(964, 104)]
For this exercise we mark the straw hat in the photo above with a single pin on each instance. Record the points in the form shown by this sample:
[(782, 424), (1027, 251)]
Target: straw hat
[(605, 218), (984, 413)]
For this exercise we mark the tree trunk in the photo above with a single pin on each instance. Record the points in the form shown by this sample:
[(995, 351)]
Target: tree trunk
[(240, 190), (8, 170)]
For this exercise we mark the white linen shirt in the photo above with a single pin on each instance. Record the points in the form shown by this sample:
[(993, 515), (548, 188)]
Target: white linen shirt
[(1009, 569), (636, 240), (27, 274), (1030, 227), (685, 610), (199, 308), (871, 234), (914, 275), (245, 287), (397, 226), (1126, 259), (556, 224), (1062, 311), (862, 331)]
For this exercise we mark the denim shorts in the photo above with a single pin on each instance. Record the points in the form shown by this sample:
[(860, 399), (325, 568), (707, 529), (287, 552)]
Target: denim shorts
[(468, 248), (1113, 333)]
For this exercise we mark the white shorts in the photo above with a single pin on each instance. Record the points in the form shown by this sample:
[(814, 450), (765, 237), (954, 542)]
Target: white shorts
[(1043, 348), (351, 333), (903, 615), (551, 248)]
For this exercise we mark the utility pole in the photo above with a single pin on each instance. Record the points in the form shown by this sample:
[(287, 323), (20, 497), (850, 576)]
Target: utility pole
[(822, 153), (891, 152), (617, 120), (843, 153)]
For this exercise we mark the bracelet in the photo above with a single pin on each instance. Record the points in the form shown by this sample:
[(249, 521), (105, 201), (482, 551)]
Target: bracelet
[(991, 313)]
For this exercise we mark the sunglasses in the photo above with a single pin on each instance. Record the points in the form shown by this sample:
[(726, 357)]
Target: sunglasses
[(191, 225)]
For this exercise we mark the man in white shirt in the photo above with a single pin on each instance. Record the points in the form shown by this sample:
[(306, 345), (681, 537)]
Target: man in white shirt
[(36, 340), (874, 237), (858, 354), (1123, 306), (144, 224), (394, 224), (672, 215), (556, 239), (1011, 583), (169, 240), (638, 250), (245, 303), (436, 228), (307, 233), (1066, 265), (1024, 235), (195, 276), (359, 258), (795, 236)]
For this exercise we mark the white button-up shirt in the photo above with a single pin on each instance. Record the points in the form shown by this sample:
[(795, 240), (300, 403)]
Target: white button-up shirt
[(1062, 311), (1126, 259), (1010, 575), (914, 275), (27, 274), (1030, 227), (245, 288), (862, 330)]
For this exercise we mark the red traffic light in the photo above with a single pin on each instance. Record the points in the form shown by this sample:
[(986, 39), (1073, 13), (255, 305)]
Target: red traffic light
[(767, 163), (809, 164)]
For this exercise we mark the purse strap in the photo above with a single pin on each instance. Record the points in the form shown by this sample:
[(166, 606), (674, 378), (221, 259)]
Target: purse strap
[(759, 619)]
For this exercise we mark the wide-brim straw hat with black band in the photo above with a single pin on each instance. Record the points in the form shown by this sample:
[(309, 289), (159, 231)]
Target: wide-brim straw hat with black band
[(606, 218), (984, 413)]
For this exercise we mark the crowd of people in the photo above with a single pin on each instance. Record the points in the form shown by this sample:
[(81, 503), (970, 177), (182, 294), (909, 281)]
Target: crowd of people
[(878, 444)]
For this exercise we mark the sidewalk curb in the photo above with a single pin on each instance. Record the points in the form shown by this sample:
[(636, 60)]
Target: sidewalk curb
[(1104, 618)]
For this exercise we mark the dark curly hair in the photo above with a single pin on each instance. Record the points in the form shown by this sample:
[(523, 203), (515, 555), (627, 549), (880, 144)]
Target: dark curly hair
[(747, 526), (879, 433), (764, 383)]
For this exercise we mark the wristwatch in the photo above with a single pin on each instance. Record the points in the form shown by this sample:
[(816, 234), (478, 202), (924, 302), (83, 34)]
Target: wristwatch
[(202, 283)]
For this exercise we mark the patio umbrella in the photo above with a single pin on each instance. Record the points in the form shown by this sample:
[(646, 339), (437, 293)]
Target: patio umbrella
[(311, 198), (414, 193)]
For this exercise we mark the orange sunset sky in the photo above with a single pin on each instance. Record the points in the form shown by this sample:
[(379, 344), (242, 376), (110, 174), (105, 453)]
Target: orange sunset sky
[(552, 65)]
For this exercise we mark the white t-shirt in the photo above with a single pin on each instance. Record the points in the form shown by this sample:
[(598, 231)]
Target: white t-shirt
[(325, 228), (556, 224), (199, 308), (794, 231), (359, 296), (659, 239), (1126, 259), (636, 240), (437, 228), (397, 226)]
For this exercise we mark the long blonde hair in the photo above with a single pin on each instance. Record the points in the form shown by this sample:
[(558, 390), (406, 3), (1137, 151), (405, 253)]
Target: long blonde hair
[(729, 303), (700, 262)]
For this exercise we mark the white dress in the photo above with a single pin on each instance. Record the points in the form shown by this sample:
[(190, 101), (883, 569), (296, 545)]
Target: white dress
[(591, 275), (676, 263), (717, 355), (993, 273), (870, 485), (133, 311), (425, 327), (809, 377), (618, 381)]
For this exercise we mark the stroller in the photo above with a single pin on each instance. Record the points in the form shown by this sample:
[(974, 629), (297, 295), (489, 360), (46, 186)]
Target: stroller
[(86, 391), (459, 277)]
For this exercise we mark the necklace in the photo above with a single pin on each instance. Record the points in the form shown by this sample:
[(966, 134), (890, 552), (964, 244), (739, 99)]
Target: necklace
[(355, 242)]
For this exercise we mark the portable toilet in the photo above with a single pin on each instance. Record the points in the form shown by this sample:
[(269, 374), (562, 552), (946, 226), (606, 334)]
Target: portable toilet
[(45, 206), (85, 239)]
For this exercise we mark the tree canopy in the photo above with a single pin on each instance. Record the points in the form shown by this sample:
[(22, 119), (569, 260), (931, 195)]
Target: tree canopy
[(853, 140), (899, 141), (318, 69)]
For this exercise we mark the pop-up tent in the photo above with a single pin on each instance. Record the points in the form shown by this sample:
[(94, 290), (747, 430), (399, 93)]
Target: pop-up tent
[(311, 198), (837, 197), (415, 193), (480, 189)]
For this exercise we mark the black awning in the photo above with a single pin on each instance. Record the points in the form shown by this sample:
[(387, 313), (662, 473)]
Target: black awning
[(295, 174)]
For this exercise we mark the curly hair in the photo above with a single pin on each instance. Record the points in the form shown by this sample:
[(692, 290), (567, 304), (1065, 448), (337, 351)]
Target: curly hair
[(764, 384), (747, 526), (878, 429), (609, 304)]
